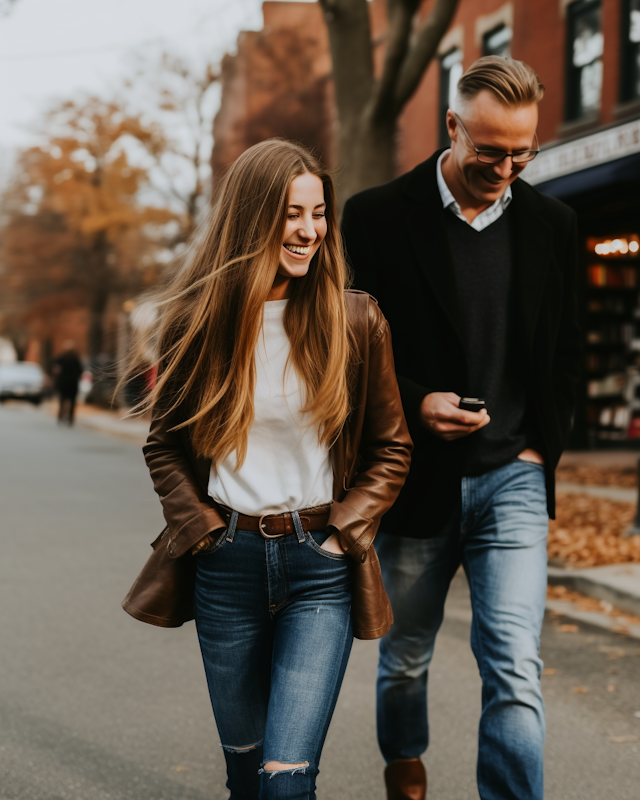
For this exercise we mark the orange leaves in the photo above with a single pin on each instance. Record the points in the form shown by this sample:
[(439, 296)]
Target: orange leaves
[(78, 227), (590, 531), (597, 476)]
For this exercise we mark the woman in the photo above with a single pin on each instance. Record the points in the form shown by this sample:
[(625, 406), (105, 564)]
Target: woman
[(277, 442)]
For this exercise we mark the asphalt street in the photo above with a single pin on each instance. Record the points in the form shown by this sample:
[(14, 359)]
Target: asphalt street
[(95, 705)]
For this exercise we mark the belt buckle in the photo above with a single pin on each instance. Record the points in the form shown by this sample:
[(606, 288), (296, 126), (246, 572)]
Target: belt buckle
[(262, 531)]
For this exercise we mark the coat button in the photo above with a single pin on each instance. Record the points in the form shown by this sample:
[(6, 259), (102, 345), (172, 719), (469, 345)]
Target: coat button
[(363, 557)]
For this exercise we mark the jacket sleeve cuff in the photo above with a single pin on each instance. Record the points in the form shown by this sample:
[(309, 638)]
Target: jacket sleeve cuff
[(193, 531), (356, 533)]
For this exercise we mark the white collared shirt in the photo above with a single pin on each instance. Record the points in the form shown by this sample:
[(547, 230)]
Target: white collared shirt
[(486, 217)]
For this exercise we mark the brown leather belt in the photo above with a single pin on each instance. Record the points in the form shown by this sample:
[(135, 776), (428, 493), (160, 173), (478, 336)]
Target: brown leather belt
[(272, 526)]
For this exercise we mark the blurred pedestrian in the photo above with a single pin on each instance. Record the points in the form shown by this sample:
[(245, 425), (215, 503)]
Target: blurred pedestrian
[(476, 272), (277, 442), (67, 369)]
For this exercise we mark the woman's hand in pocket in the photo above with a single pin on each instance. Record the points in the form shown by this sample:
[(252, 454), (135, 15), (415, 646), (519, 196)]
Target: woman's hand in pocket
[(332, 544), (203, 544)]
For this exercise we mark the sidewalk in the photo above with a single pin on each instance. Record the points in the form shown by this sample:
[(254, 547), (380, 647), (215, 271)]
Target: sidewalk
[(610, 476), (112, 423), (616, 584)]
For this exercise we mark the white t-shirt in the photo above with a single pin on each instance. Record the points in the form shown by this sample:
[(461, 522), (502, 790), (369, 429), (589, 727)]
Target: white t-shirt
[(286, 467)]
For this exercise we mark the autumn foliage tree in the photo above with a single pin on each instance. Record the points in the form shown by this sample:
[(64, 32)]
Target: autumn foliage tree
[(74, 224)]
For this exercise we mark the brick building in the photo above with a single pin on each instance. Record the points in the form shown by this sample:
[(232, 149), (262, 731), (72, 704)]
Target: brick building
[(278, 84), (587, 53)]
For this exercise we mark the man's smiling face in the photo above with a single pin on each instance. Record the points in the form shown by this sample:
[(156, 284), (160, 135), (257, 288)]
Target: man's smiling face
[(491, 125)]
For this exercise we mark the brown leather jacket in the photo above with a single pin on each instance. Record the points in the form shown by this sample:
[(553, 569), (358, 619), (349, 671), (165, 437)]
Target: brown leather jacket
[(370, 463)]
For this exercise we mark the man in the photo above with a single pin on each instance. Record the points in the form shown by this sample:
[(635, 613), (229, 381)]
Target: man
[(476, 272), (67, 370)]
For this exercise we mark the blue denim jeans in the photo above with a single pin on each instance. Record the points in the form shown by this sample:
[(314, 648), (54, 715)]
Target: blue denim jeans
[(499, 535), (274, 624)]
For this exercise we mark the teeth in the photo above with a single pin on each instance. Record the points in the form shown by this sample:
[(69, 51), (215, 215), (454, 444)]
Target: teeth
[(301, 251)]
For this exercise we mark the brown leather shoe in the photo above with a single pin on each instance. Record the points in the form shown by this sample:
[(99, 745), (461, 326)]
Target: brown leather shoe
[(406, 779)]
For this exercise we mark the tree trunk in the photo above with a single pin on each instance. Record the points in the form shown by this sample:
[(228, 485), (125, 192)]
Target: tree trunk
[(350, 42), (368, 158), (100, 289), (369, 107), (96, 323)]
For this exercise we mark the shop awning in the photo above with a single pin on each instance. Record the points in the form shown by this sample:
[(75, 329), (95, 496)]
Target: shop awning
[(622, 170)]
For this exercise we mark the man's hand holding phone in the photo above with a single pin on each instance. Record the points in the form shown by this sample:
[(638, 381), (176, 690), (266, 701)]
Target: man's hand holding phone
[(441, 415)]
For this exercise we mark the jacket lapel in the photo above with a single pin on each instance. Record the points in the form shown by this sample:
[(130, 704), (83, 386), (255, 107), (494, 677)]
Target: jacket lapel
[(532, 239), (424, 217)]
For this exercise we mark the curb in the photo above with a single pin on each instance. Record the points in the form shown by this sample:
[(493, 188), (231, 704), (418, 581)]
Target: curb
[(594, 618), (132, 430), (616, 493), (568, 610), (618, 584)]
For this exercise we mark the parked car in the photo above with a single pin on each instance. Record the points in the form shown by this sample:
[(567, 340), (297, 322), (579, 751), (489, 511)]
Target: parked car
[(23, 380)]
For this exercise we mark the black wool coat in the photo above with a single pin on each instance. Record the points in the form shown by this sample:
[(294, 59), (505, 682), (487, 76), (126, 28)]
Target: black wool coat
[(396, 243)]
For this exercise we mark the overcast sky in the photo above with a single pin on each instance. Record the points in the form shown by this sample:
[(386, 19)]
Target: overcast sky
[(56, 48)]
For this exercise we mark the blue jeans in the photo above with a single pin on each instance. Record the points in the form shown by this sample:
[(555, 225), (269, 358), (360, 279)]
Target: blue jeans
[(274, 624), (499, 535)]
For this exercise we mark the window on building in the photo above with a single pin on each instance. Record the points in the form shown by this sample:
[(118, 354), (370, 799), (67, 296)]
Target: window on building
[(584, 58), (450, 74), (497, 42), (631, 50)]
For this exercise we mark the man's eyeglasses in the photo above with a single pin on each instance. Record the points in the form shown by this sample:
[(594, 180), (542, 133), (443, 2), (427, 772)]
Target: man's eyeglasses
[(497, 156)]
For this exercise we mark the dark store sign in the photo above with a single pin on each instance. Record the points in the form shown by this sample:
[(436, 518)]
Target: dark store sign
[(589, 151)]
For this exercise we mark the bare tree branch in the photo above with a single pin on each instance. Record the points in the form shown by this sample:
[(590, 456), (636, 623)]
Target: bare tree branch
[(422, 50), (400, 15)]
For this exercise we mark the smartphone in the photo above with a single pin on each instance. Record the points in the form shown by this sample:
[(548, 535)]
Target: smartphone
[(471, 403)]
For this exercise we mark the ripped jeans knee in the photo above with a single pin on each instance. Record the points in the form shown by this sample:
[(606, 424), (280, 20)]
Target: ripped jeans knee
[(287, 780), (284, 768)]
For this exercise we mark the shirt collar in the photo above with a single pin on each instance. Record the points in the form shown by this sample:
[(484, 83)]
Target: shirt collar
[(449, 200)]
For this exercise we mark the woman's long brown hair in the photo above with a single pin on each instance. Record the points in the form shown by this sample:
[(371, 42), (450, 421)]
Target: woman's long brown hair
[(211, 311)]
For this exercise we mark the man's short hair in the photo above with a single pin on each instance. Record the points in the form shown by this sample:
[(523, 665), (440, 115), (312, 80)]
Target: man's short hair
[(513, 83)]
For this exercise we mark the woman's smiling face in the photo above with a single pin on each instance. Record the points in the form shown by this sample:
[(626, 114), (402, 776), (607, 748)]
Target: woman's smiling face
[(305, 228)]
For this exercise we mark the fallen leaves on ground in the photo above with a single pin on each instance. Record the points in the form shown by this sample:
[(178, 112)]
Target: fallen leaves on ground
[(613, 652), (590, 532), (581, 690), (597, 476), (623, 739), (583, 603)]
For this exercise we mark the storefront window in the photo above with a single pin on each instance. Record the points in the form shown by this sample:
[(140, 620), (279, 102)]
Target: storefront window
[(631, 50), (613, 338), (450, 74), (497, 42), (584, 58)]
